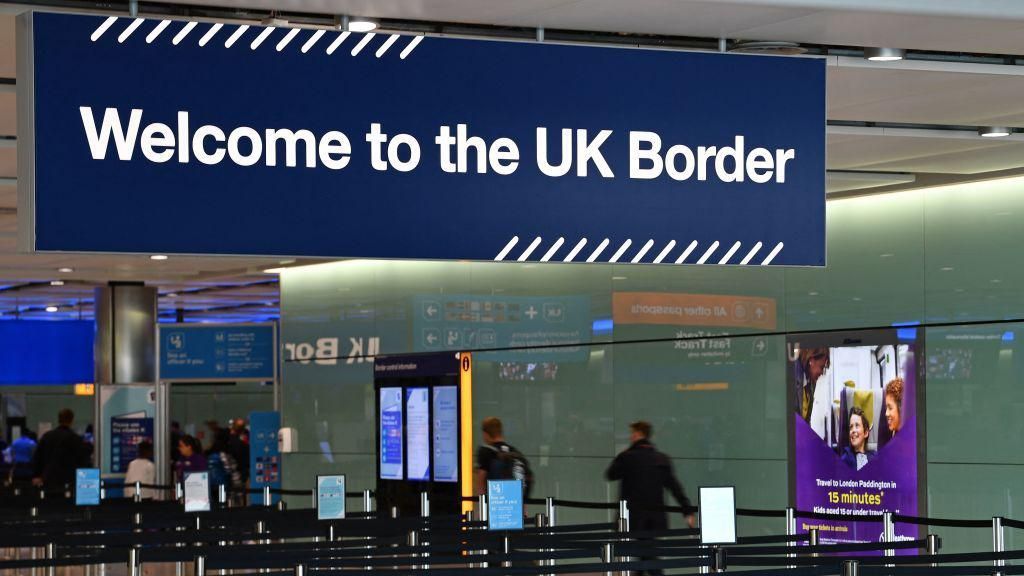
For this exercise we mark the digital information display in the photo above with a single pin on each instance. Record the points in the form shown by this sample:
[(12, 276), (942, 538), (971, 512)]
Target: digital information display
[(330, 497), (446, 434), (391, 456), (87, 487), (197, 492), (717, 507), (417, 439)]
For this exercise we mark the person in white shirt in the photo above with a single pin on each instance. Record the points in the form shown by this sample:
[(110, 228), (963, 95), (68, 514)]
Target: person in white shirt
[(141, 470)]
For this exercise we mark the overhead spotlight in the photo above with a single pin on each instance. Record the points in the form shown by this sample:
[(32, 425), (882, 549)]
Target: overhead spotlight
[(56, 282), (51, 308), (994, 131), (65, 270), (884, 54), (361, 25), (172, 294), (158, 257)]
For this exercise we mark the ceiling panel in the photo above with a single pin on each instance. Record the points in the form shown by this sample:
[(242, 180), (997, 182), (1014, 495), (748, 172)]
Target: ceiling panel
[(8, 115), (923, 97), (908, 154), (8, 161), (7, 51)]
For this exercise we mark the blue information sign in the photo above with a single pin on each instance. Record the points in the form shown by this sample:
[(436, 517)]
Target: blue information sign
[(264, 453), (87, 487), (125, 435), (217, 352), (504, 504), (391, 454), (521, 325), (330, 497), (443, 149)]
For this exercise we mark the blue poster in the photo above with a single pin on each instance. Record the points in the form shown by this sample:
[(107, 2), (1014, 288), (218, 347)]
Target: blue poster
[(522, 325), (467, 149), (125, 435), (265, 455), (446, 434), (330, 497), (87, 487), (417, 432), (217, 352), (391, 456), (504, 504)]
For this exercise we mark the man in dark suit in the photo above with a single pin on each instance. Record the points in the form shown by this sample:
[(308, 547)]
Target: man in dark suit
[(59, 453)]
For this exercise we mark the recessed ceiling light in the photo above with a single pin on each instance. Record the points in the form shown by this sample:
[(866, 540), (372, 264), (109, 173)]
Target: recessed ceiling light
[(51, 308), (996, 280), (65, 270), (172, 294), (56, 282), (812, 293), (361, 25), (886, 255), (158, 257), (947, 268), (884, 54), (994, 131), (856, 298), (273, 270), (619, 278)]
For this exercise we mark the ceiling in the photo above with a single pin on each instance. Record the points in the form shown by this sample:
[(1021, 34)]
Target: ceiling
[(892, 126)]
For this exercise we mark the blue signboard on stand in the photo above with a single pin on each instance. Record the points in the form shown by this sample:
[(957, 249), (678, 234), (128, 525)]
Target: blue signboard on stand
[(504, 504), (467, 149), (264, 454), (330, 497), (211, 352), (87, 487), (523, 326)]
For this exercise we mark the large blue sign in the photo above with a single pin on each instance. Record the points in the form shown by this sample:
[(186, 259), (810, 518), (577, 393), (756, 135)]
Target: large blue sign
[(145, 131), (46, 352), (526, 328), (265, 454), (217, 352)]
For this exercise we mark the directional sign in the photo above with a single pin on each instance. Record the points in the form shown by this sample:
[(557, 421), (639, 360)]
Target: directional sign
[(504, 504), (210, 352), (443, 149)]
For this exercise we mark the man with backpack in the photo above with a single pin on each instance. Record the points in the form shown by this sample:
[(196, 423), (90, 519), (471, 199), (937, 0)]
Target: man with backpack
[(498, 460)]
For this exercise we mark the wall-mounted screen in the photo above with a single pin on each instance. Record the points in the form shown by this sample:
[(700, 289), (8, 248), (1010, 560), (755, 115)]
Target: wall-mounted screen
[(446, 434), (417, 432), (391, 449)]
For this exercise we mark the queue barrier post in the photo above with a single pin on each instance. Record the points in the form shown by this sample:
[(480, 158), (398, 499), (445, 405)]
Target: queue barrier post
[(367, 502), (51, 554), (137, 522), (413, 541), (791, 531), (33, 552), (549, 510), (934, 545), (222, 495), (998, 543), (424, 504), (137, 496), (718, 559), (300, 570), (608, 556), (813, 539), (268, 500), (179, 491), (888, 534), (850, 568), (506, 548), (199, 566), (134, 565), (481, 505)]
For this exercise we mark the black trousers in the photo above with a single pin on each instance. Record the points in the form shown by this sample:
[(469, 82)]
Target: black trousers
[(643, 521)]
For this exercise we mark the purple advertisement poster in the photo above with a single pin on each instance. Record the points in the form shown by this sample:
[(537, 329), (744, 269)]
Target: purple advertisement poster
[(855, 441)]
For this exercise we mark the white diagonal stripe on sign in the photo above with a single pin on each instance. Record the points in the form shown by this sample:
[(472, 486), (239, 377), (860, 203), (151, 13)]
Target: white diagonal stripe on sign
[(597, 251), (312, 40), (337, 42), (619, 252), (362, 43), (643, 251), (529, 249), (729, 254), (156, 31), (103, 28), (707, 254), (686, 252), (128, 31), (287, 38), (387, 44), (664, 253), (263, 36), (210, 34), (771, 255), (412, 46), (750, 255), (183, 32), (551, 251), (508, 247), (576, 250), (236, 35)]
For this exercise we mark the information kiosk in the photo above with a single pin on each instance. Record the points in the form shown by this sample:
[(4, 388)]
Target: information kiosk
[(424, 432)]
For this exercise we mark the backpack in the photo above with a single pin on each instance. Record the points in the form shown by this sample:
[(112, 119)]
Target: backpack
[(510, 464)]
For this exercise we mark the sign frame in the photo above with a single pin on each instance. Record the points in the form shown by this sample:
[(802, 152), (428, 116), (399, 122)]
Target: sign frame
[(191, 326), (317, 501), (197, 502), (512, 495), (88, 494), (706, 538)]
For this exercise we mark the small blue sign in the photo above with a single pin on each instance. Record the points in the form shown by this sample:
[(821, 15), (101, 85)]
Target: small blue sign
[(445, 149), (264, 454), (504, 504), (87, 487), (208, 352), (330, 497), (521, 325)]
